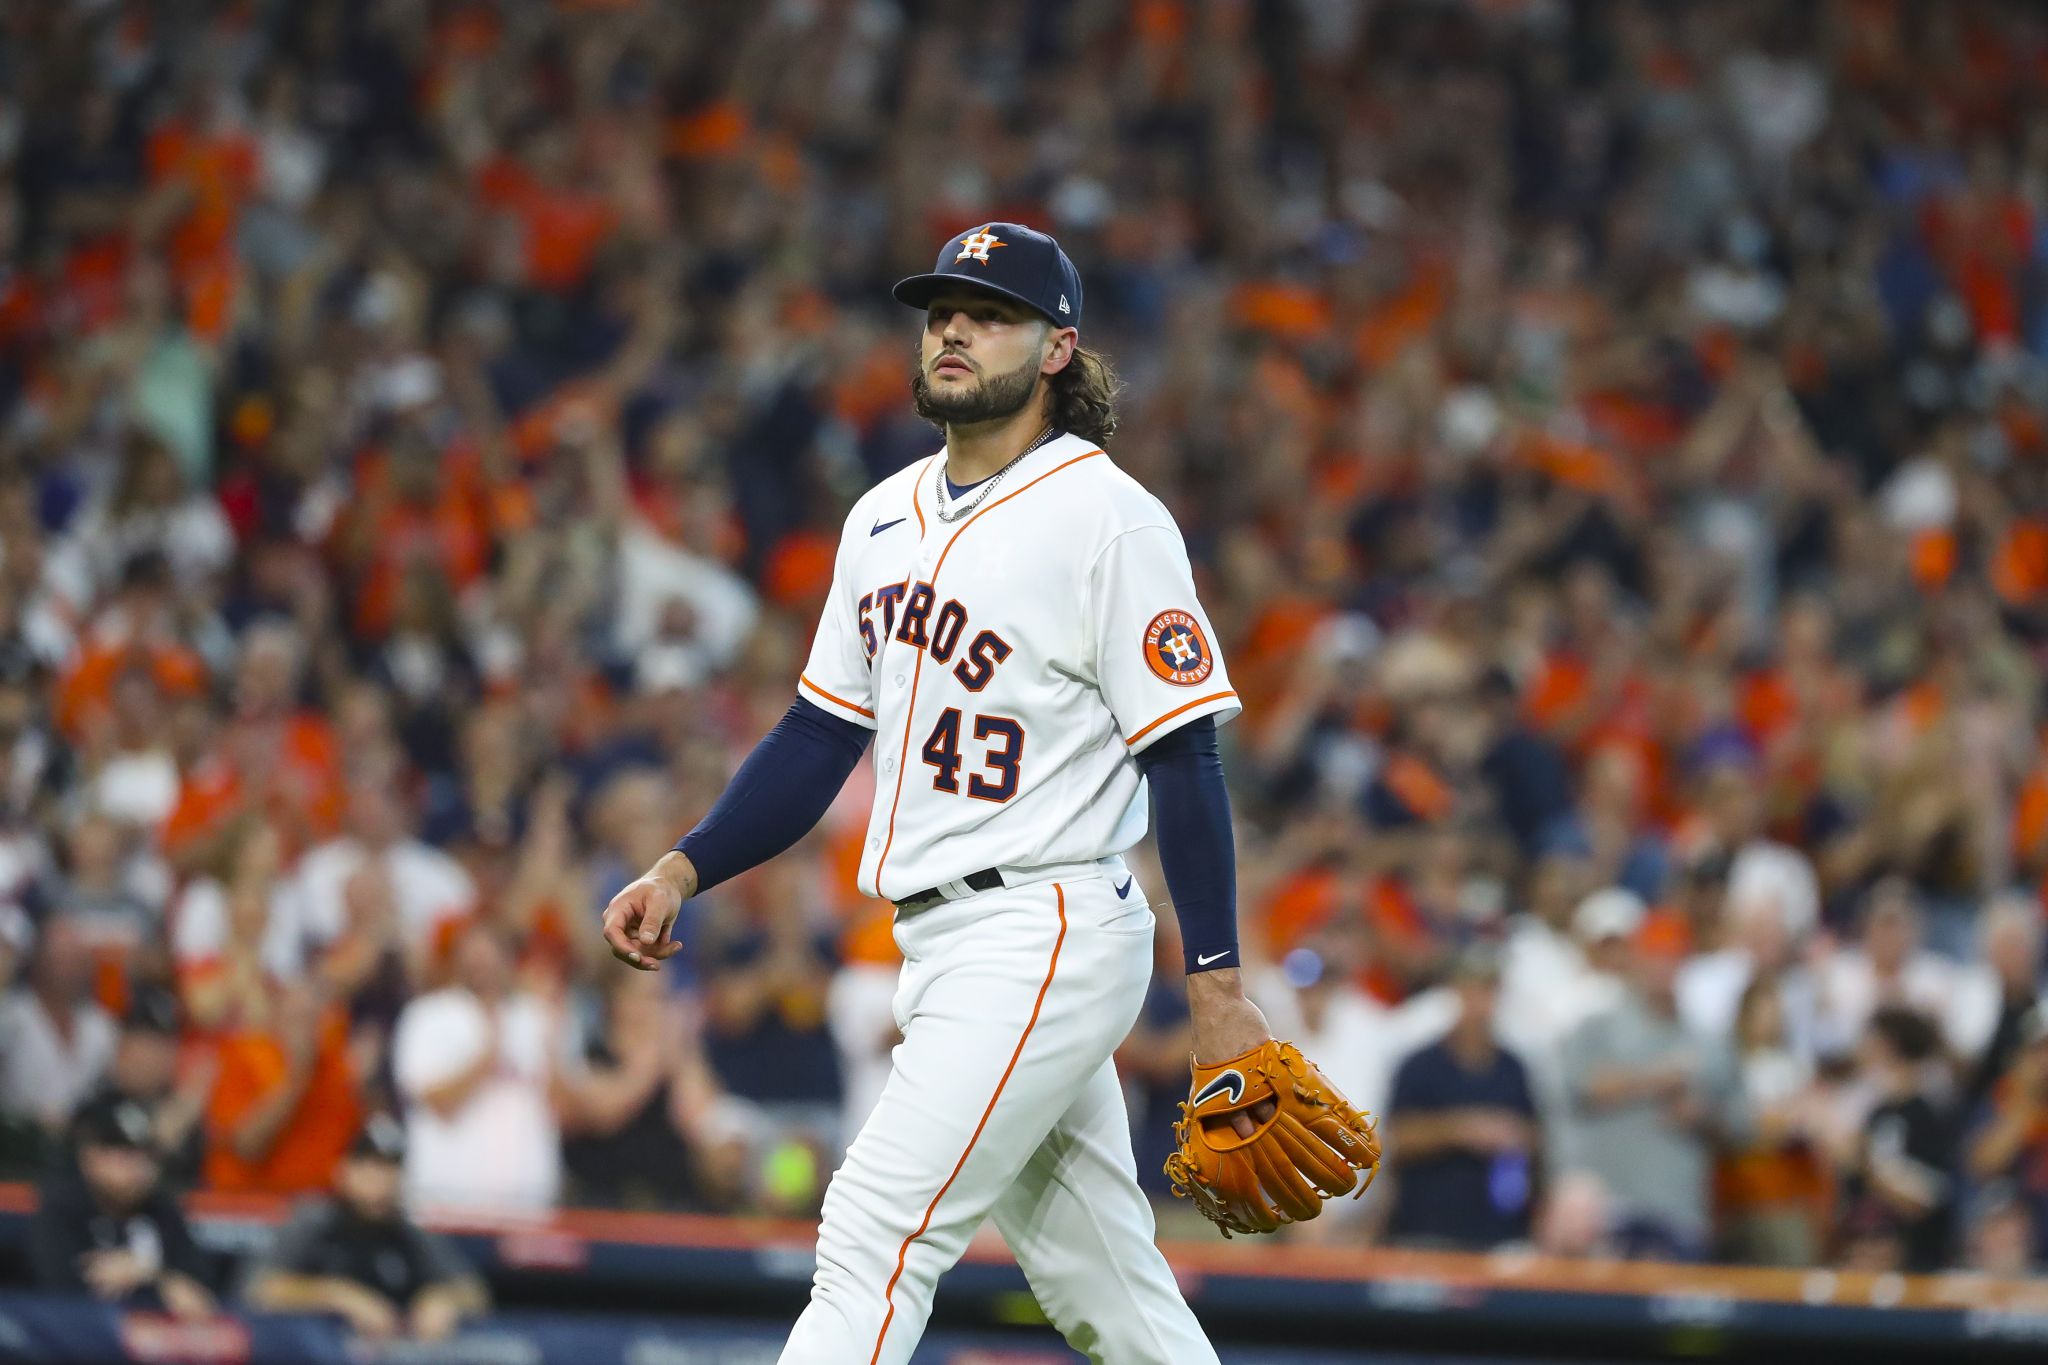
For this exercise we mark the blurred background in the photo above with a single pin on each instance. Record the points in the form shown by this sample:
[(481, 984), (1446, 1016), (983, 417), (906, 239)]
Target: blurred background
[(1611, 439)]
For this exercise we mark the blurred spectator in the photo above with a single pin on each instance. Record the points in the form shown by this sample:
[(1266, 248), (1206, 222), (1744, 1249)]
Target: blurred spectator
[(106, 1225), (680, 615), (356, 1254), (99, 888), (1463, 1136), (378, 872), (477, 1063), (1772, 1186), (629, 1109), (133, 773), (1648, 1098), (2012, 952), (2001, 1238), (1770, 908), (766, 971), (1552, 981), (148, 508), (1888, 967), (17, 942), (1576, 1218), (2013, 1144), (286, 1092), (1900, 1187), (236, 930), (138, 627), (55, 1041), (271, 756), (1609, 829), (1524, 769), (146, 1070)]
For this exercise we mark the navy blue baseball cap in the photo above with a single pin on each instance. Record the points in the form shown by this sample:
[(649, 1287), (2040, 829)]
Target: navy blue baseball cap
[(1010, 259)]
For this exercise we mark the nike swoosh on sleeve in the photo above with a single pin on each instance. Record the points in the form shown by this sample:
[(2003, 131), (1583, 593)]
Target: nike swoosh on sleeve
[(882, 526), (1212, 957)]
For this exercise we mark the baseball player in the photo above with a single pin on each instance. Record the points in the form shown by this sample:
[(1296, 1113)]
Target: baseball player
[(1013, 624)]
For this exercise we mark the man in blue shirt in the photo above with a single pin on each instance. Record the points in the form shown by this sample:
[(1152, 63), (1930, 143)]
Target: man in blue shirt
[(1463, 1128)]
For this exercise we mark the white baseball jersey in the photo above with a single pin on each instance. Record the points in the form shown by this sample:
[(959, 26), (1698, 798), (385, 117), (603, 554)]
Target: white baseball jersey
[(1011, 663)]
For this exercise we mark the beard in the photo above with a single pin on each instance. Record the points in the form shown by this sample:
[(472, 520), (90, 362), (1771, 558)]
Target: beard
[(997, 397)]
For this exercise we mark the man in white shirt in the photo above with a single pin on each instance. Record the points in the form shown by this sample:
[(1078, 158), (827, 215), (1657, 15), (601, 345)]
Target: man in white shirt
[(137, 782), (476, 1064), (657, 577), (1553, 981), (1771, 908), (427, 887), (55, 1043), (1890, 967)]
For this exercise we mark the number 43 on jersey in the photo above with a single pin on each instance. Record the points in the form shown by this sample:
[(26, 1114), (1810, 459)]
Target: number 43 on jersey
[(1003, 741)]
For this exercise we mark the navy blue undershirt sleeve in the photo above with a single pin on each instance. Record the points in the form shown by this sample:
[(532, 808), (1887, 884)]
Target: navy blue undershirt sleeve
[(778, 795), (1191, 821)]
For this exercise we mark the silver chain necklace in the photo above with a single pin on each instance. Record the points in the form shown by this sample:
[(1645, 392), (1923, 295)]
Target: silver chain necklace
[(987, 485)]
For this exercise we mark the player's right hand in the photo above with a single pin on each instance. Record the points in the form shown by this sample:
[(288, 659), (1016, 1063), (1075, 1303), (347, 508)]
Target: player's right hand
[(637, 922)]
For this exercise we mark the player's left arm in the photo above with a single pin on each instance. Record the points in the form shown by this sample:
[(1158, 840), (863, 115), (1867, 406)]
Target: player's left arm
[(1191, 825), (1160, 673), (1264, 1138)]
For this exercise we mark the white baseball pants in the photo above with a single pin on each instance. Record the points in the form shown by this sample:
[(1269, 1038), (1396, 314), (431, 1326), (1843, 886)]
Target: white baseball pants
[(1002, 1100)]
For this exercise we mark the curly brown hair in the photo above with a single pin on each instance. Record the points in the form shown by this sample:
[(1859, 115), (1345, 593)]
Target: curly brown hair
[(1084, 396)]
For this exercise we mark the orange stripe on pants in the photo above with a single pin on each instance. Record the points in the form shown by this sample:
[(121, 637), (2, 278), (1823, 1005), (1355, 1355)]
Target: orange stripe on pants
[(903, 1251)]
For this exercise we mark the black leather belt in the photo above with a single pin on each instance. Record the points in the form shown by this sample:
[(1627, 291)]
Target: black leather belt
[(988, 879)]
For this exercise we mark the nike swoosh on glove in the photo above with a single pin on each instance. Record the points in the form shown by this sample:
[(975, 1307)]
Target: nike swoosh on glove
[(1312, 1147)]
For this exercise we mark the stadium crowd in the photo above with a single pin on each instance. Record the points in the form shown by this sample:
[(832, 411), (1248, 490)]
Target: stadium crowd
[(1611, 437)]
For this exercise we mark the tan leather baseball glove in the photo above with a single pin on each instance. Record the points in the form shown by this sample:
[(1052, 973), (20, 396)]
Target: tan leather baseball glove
[(1306, 1150)]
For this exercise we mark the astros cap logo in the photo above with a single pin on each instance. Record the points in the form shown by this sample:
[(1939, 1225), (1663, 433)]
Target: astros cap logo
[(1175, 649), (978, 244)]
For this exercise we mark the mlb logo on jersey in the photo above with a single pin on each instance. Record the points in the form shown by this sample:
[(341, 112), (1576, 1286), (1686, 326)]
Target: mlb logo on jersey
[(1175, 649)]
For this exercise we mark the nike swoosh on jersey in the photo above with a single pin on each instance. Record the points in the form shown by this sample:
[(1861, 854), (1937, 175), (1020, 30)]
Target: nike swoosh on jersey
[(882, 526), (1231, 1081), (1125, 889), (1212, 957)]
